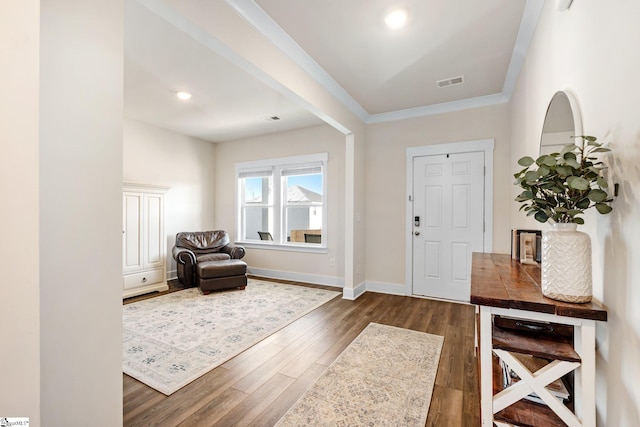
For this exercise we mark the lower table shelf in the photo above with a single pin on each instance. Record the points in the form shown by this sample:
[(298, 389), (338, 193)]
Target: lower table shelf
[(524, 413)]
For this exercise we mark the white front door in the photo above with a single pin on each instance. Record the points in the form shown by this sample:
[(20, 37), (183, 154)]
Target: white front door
[(448, 216)]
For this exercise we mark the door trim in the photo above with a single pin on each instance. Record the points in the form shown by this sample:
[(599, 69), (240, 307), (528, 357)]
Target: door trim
[(483, 145)]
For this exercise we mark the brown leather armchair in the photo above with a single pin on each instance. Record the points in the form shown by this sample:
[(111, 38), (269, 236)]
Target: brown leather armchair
[(195, 250)]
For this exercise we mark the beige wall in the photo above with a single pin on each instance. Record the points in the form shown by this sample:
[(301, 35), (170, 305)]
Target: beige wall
[(593, 50), (386, 180), (80, 210), (61, 171), (19, 137), (299, 142), (160, 157)]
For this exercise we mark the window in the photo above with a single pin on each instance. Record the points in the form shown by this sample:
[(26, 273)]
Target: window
[(283, 201)]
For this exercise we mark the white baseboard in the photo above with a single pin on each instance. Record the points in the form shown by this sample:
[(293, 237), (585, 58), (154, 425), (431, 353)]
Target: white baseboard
[(315, 279), (338, 282), (388, 288), (155, 287), (377, 287), (352, 294)]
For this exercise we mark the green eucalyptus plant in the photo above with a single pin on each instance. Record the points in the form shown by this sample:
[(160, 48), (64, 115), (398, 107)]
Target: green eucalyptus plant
[(561, 186)]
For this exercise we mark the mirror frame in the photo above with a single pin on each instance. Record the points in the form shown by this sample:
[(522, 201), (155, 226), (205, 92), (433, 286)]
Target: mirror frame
[(575, 112)]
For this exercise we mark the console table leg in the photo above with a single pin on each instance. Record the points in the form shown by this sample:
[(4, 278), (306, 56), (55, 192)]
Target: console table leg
[(585, 344), (486, 368)]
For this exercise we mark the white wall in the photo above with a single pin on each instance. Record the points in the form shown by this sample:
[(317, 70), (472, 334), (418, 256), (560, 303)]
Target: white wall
[(386, 180), (313, 140), (592, 49), (185, 164), (19, 291), (80, 196)]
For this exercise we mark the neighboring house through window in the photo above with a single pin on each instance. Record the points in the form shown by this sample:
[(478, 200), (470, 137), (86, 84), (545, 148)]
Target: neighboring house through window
[(283, 201)]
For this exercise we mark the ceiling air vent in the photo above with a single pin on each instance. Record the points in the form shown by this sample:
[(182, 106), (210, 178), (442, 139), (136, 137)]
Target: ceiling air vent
[(450, 82)]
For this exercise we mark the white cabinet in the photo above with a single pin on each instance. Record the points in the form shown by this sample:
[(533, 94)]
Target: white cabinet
[(143, 239)]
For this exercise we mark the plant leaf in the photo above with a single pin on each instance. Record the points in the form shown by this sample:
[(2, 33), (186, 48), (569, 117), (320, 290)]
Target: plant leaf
[(541, 217), (603, 209), (524, 196), (573, 163), (549, 161), (543, 170), (564, 171), (583, 203), (597, 195), (594, 169), (531, 176), (578, 220), (526, 161), (602, 182), (578, 183)]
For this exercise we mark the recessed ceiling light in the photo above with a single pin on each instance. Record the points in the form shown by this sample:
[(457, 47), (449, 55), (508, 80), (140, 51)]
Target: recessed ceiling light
[(183, 95), (396, 19)]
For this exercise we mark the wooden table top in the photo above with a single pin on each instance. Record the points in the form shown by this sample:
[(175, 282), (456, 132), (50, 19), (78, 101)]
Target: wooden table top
[(497, 280)]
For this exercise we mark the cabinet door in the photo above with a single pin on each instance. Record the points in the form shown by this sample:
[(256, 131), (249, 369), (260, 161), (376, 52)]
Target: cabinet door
[(132, 232), (153, 249)]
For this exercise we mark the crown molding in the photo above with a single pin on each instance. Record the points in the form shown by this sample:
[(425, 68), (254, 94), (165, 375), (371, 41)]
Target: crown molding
[(530, 17), (445, 107)]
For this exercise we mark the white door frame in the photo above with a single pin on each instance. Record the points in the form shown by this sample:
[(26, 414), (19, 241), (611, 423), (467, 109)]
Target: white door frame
[(482, 145)]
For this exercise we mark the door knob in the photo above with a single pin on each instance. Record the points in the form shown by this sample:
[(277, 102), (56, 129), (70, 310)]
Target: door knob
[(417, 233)]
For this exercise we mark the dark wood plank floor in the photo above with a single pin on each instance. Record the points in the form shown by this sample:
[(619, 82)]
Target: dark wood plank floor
[(259, 385)]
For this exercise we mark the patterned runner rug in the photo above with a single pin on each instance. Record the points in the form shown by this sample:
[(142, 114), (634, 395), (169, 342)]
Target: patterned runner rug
[(385, 377), (173, 339)]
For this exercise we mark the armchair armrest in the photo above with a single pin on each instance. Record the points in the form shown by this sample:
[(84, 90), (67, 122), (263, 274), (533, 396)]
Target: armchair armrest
[(184, 256), (234, 251), (186, 265)]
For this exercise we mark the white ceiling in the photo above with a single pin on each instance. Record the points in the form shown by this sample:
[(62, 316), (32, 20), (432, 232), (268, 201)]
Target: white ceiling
[(378, 73), (227, 102)]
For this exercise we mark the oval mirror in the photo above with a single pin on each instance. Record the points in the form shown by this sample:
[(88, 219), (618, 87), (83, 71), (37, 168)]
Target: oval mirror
[(561, 123)]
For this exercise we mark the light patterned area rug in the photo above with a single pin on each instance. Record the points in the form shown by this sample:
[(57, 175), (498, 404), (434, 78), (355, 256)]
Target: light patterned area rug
[(173, 339), (385, 377)]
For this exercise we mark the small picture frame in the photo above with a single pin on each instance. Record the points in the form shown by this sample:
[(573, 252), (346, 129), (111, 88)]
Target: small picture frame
[(516, 244), (528, 248)]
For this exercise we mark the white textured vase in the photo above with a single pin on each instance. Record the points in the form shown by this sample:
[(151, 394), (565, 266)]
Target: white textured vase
[(566, 264)]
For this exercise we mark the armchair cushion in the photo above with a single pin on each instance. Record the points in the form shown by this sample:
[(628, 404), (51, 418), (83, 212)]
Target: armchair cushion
[(203, 241), (213, 257)]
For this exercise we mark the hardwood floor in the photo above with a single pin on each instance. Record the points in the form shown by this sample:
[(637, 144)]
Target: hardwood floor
[(259, 385)]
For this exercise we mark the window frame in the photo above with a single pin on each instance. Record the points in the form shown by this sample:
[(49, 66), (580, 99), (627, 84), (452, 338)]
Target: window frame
[(278, 203)]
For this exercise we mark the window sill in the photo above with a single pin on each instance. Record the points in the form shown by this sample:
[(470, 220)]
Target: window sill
[(318, 249)]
